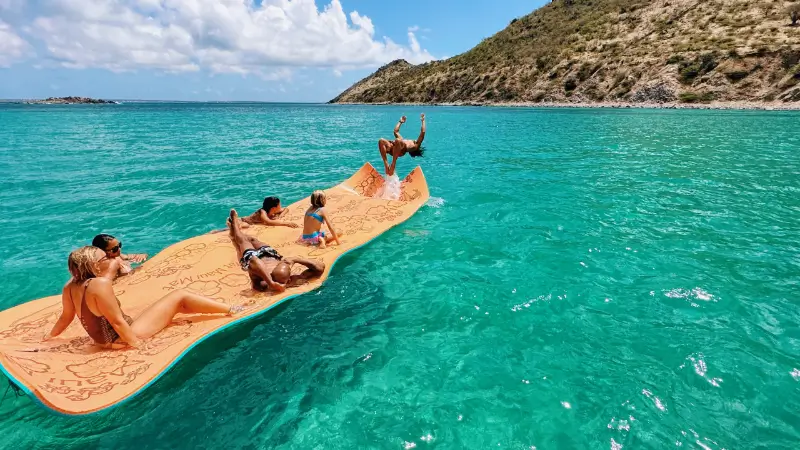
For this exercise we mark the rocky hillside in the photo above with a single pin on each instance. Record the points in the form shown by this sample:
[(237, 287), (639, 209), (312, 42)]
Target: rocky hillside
[(635, 51)]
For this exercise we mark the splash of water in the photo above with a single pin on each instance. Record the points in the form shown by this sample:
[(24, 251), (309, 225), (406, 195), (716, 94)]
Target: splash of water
[(391, 188), (435, 202)]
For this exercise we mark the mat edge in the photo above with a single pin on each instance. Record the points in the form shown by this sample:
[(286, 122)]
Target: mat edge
[(53, 409)]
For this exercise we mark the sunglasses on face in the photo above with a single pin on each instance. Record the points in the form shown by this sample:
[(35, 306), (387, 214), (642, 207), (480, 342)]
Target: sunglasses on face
[(115, 248)]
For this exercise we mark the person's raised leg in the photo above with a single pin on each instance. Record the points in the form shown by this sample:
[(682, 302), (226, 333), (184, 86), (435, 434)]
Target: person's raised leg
[(257, 243), (384, 146), (160, 314), (240, 240)]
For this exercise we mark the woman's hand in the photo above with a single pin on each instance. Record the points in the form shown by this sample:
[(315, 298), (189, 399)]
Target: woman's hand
[(422, 117), (403, 119), (137, 258)]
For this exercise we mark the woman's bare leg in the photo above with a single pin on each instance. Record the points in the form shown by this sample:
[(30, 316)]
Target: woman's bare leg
[(160, 314)]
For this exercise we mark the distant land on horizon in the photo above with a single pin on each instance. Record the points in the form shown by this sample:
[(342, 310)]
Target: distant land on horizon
[(623, 52), (123, 100)]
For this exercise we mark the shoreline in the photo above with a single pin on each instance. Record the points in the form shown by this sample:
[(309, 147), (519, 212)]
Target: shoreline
[(737, 105)]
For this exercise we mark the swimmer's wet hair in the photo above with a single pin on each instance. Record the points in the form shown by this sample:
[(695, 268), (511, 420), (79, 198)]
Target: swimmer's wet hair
[(417, 152), (101, 241), (269, 203), (318, 199), (82, 263)]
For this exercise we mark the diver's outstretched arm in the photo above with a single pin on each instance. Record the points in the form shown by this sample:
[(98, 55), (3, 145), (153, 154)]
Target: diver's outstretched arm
[(397, 128), (421, 131)]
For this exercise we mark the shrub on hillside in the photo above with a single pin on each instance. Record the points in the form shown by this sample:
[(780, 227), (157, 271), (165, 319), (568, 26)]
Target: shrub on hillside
[(790, 59), (692, 97), (675, 59), (700, 66), (737, 75)]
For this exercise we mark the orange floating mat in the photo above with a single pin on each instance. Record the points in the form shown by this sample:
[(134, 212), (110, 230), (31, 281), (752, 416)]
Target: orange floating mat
[(71, 375)]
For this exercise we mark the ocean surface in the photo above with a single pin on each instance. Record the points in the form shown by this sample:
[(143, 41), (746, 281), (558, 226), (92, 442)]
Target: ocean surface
[(580, 279)]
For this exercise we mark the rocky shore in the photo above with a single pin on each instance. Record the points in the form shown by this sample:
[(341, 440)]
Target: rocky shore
[(70, 101), (742, 105)]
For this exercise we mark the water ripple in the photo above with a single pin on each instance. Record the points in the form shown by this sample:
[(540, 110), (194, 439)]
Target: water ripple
[(579, 279)]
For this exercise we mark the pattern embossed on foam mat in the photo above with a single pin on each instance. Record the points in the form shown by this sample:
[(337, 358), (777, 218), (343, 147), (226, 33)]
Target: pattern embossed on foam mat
[(71, 375)]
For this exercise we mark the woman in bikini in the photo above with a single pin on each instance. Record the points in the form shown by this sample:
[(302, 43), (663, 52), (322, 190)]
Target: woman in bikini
[(92, 299), (312, 224)]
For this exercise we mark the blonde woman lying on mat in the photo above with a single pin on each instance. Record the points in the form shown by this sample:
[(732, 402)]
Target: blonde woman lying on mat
[(92, 299)]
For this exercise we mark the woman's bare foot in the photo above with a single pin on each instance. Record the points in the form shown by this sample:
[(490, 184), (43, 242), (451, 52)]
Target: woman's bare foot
[(238, 309), (322, 243)]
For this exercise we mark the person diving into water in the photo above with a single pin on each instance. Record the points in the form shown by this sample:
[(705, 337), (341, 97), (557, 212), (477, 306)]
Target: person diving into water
[(398, 148)]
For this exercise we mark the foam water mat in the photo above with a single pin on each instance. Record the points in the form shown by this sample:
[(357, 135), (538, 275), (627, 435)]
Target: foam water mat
[(71, 375)]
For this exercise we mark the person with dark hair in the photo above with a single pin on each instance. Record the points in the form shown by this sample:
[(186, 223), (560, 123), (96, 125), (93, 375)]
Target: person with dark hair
[(400, 146), (265, 266), (268, 215), (91, 297), (115, 262)]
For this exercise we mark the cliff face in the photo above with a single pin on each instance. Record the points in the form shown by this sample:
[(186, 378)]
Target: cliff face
[(635, 51)]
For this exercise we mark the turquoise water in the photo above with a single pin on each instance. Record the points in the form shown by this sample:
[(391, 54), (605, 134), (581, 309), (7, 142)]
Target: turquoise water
[(580, 279)]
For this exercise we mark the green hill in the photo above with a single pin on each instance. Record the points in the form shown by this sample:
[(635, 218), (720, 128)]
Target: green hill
[(636, 51)]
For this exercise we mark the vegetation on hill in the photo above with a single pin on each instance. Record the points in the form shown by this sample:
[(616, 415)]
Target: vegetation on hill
[(613, 50)]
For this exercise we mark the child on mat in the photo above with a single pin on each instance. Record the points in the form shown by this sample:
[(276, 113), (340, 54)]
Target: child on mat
[(268, 214), (312, 224)]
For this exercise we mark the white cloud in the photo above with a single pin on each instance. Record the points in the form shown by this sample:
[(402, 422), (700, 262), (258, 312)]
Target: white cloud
[(221, 36), (12, 47)]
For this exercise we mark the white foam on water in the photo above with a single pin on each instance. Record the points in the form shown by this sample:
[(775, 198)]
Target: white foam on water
[(391, 188), (435, 202)]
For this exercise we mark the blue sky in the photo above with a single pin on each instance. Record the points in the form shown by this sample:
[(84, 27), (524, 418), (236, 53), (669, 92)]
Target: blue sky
[(272, 50)]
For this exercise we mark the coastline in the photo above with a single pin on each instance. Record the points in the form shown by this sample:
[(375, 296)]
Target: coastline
[(737, 105)]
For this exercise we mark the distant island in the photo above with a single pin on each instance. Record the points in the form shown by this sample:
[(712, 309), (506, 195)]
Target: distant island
[(614, 53), (70, 101)]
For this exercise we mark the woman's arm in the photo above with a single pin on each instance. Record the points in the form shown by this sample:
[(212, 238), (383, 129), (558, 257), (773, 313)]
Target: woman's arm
[(135, 257), (330, 226), (67, 314), (276, 223), (109, 308)]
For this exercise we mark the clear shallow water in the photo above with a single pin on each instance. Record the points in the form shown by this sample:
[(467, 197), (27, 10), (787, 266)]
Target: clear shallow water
[(581, 278)]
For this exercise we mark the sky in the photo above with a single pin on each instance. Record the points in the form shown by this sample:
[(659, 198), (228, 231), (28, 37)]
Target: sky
[(228, 50)]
